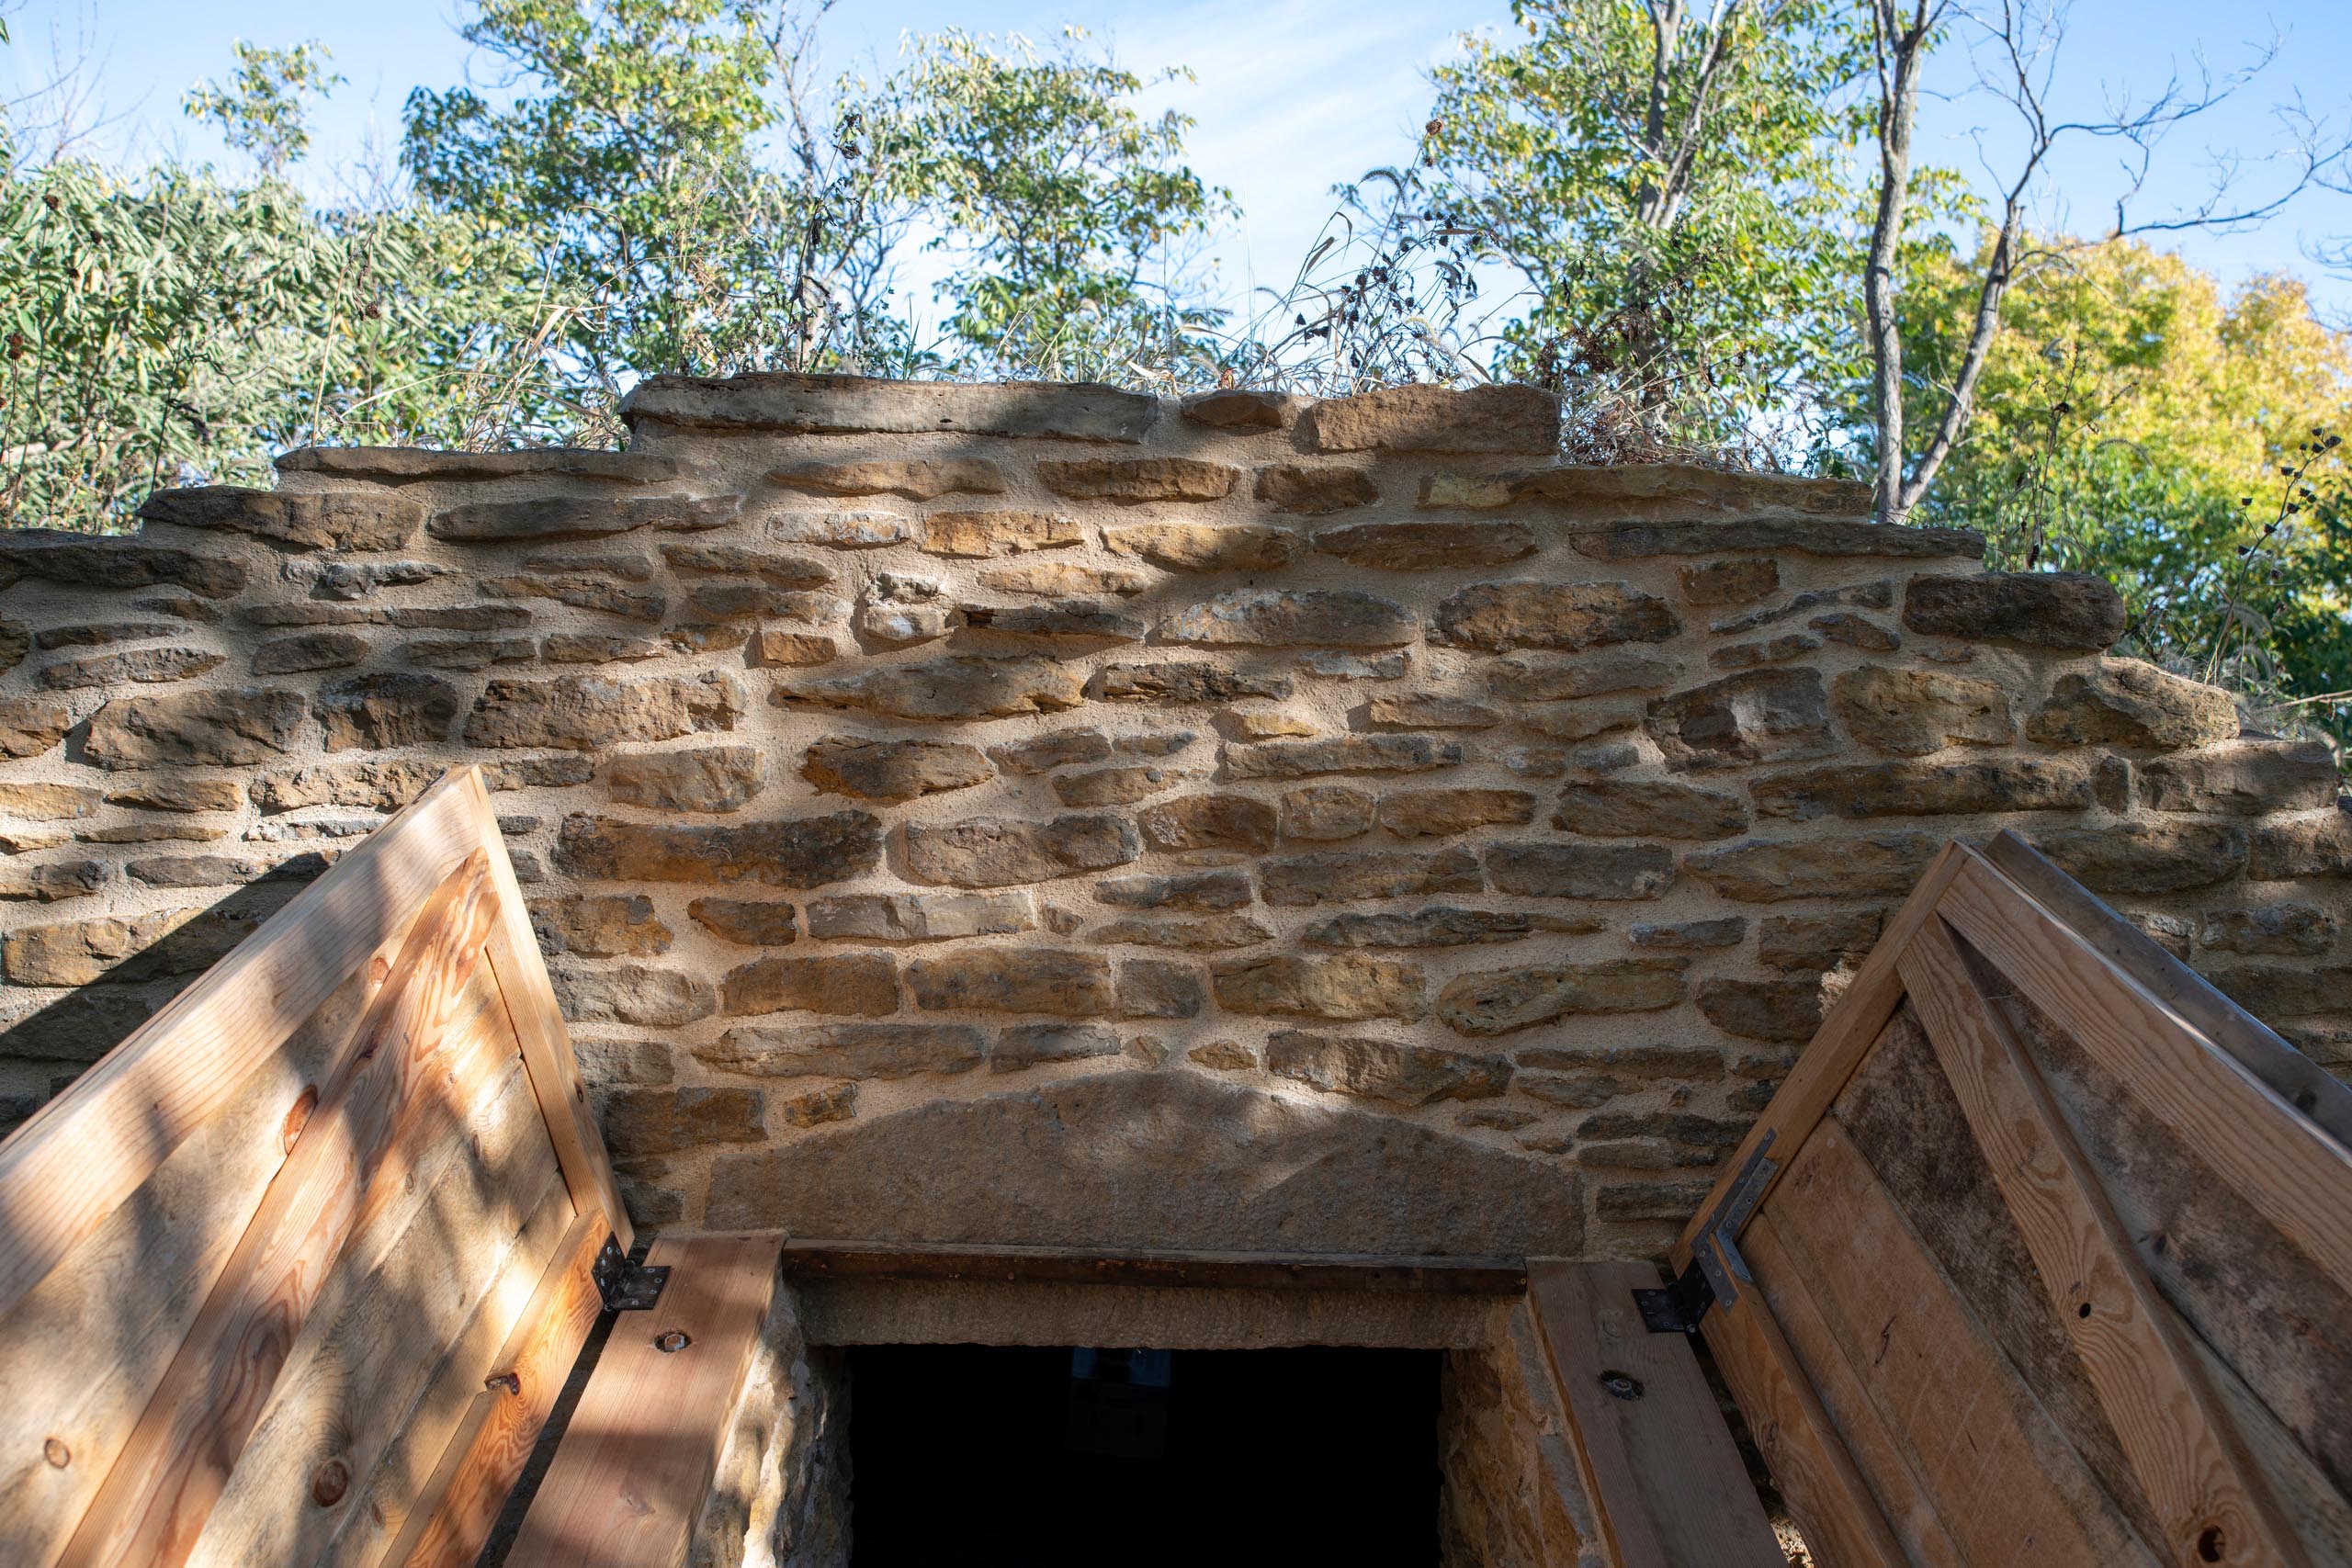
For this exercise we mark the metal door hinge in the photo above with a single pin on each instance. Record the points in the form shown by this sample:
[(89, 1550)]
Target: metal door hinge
[(626, 1286), (1716, 1270)]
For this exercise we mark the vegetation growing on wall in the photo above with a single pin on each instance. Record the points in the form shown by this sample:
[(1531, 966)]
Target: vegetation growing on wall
[(1666, 215)]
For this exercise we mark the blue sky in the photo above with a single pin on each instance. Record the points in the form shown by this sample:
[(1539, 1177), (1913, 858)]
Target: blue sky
[(1291, 96)]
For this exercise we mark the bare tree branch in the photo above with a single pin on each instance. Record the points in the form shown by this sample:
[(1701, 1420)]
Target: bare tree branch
[(2024, 39)]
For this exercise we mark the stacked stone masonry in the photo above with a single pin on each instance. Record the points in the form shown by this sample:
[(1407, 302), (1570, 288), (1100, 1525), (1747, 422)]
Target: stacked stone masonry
[(1050, 814)]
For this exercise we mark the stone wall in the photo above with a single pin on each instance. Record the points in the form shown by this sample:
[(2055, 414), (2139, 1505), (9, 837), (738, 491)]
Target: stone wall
[(1055, 815)]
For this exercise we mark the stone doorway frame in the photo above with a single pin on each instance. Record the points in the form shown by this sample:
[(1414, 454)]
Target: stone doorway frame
[(1510, 1492)]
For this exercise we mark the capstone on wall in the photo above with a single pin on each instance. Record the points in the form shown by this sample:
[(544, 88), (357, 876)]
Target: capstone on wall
[(1052, 815)]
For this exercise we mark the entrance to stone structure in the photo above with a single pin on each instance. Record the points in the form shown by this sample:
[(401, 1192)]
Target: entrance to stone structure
[(1041, 1456)]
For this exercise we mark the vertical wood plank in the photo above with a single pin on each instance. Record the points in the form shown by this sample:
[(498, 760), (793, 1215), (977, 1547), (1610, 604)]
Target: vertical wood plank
[(398, 1298), (84, 1350), (1660, 1466), (546, 1050), (1837, 1048), (78, 1157), (2211, 1501), (643, 1442), (349, 1161), (1998, 1473), (2292, 1075), (2300, 1177), (453, 1513), (1811, 1452)]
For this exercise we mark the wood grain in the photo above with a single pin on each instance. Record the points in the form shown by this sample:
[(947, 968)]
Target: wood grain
[(352, 1160), (643, 1443), (1833, 1458), (2295, 1077), (1837, 1049), (1660, 1467), (2300, 1177), (372, 1346), (455, 1509), (539, 1024), (2001, 1477), (84, 1350), (81, 1156), (815, 1259), (2208, 1498)]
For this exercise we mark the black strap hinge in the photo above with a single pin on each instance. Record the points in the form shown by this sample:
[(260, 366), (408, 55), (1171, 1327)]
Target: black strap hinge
[(1716, 1270), (625, 1285)]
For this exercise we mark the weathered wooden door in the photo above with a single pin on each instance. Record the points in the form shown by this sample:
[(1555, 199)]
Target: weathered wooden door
[(2042, 1254), (295, 1273)]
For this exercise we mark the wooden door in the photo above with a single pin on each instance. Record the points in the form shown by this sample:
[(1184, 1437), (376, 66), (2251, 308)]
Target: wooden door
[(2043, 1254), (294, 1274)]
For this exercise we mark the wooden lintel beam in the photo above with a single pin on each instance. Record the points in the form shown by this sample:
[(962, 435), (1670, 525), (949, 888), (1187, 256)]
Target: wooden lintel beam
[(825, 1259)]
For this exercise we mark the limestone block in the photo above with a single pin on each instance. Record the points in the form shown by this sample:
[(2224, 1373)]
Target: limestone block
[(2046, 609)]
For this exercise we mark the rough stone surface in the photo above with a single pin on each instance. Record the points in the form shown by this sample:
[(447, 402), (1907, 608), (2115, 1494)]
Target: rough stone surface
[(1346, 986), (2046, 609), (855, 984), (1572, 615), (845, 1050), (579, 517), (1761, 716), (1209, 822), (893, 770), (1442, 927), (1315, 617), (702, 778), (234, 728), (1648, 808), (1424, 547), (807, 851), (984, 534), (1345, 754), (2126, 701), (2244, 780), (589, 713), (2147, 857), (1193, 681), (916, 478), (1603, 872), (947, 689), (1435, 419), (1863, 865), (1441, 813), (598, 925), (1000, 852), (1128, 481), (1913, 712), (1453, 861), (1382, 1069), (1968, 785), (1013, 979), (1504, 1001), (1190, 1154), (920, 916), (1317, 491), (1205, 546)]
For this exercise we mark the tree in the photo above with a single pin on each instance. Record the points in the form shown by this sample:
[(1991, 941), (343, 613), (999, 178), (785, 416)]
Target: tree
[(263, 110), (1672, 184), (2134, 419), (2017, 43), (623, 162), (1068, 212)]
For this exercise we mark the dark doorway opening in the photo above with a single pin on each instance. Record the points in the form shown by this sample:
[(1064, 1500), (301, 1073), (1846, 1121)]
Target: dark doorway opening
[(1057, 1459)]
